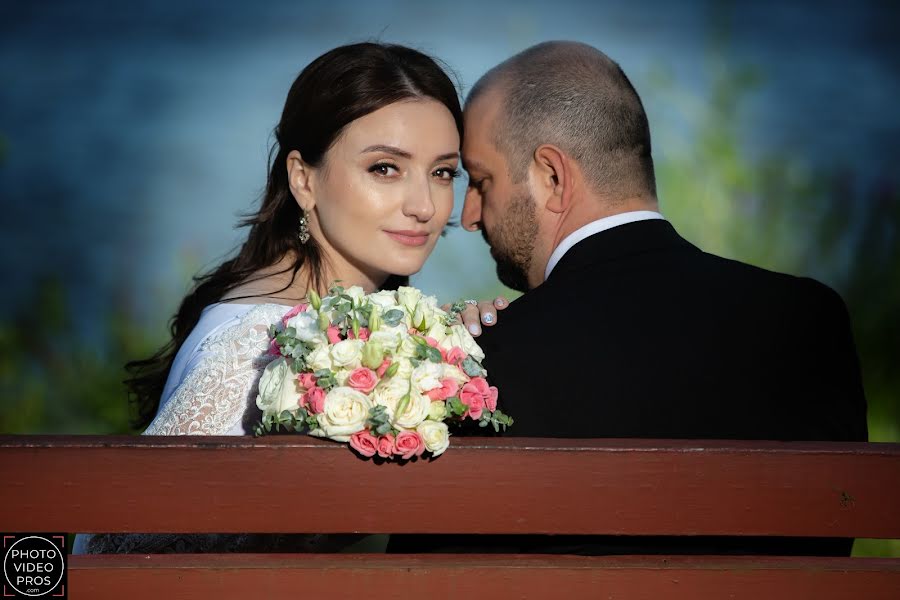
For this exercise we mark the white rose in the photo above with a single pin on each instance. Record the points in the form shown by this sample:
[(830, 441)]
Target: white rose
[(357, 293), (426, 377), (455, 373), (427, 310), (389, 393), (408, 298), (306, 325), (415, 412), (460, 337), (277, 388), (345, 413), (437, 411), (347, 353), (408, 347), (389, 339), (385, 300), (341, 376), (436, 436), (320, 358), (438, 332), (404, 369)]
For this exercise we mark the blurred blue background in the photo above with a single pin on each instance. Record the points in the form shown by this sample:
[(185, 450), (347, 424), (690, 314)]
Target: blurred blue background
[(132, 134)]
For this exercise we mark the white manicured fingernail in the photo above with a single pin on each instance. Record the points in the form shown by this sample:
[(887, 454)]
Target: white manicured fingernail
[(488, 318), (474, 329)]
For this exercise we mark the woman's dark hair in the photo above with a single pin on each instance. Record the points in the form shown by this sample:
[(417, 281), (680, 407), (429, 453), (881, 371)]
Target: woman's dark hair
[(334, 90)]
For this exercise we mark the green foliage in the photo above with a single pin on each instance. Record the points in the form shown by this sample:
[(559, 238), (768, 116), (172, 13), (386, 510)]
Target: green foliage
[(52, 381)]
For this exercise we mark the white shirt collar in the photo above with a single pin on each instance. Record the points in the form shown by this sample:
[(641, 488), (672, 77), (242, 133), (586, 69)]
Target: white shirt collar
[(596, 227)]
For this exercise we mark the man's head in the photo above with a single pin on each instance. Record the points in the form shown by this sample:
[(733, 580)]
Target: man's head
[(556, 137)]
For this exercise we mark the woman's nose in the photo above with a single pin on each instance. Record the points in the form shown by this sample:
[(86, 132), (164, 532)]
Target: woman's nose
[(419, 203)]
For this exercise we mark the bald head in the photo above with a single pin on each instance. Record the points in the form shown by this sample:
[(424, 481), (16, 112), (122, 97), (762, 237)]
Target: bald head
[(575, 97)]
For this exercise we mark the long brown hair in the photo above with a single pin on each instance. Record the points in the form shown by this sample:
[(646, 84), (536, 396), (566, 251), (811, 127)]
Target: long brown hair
[(337, 88)]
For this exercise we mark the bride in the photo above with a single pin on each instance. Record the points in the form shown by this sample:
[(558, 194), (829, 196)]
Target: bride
[(359, 190)]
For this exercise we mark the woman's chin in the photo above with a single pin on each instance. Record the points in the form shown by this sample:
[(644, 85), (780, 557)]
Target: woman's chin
[(403, 268)]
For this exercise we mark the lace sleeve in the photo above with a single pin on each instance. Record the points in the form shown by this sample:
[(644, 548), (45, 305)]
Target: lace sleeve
[(213, 396)]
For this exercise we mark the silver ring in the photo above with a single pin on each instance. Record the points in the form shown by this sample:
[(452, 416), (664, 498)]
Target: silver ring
[(472, 302)]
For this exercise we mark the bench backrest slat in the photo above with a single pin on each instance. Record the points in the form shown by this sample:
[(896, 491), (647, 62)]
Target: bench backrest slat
[(178, 577), (488, 485)]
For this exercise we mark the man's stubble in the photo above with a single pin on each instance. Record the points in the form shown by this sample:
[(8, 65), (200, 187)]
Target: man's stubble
[(512, 242)]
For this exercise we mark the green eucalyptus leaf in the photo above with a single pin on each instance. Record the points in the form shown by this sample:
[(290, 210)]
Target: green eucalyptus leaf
[(392, 317)]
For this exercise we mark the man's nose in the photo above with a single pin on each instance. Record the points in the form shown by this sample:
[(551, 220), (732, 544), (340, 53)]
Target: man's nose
[(471, 212)]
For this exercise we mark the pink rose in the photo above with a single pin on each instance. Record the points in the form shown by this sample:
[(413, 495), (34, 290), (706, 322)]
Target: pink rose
[(307, 380), (491, 400), (364, 442), (408, 444), (384, 367), (293, 313), (363, 334), (274, 349), (385, 447), (456, 356), (362, 379), (334, 334), (476, 394), (448, 389), (314, 399)]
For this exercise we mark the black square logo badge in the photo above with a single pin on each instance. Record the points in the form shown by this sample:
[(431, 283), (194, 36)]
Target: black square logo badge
[(34, 565)]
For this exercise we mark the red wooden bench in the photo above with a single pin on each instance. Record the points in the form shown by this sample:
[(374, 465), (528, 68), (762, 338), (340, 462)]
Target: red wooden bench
[(633, 487)]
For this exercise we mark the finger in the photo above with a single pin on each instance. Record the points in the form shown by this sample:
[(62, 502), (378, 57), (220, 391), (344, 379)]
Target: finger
[(471, 318), (500, 302), (488, 312)]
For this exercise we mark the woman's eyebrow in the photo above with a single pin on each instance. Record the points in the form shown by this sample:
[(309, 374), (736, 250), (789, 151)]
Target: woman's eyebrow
[(404, 154), (387, 149)]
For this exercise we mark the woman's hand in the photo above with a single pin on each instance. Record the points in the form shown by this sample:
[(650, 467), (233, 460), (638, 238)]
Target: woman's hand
[(477, 313)]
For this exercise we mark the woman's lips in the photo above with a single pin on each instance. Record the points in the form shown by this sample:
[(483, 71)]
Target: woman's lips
[(409, 238)]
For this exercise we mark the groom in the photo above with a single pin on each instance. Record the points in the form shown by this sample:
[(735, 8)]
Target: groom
[(635, 330)]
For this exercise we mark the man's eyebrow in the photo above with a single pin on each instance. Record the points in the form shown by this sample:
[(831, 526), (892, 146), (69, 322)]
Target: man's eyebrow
[(387, 149), (469, 165)]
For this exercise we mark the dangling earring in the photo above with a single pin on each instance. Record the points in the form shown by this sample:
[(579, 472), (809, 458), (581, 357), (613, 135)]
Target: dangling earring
[(303, 234)]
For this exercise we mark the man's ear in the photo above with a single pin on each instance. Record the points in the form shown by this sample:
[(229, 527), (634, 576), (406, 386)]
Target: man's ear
[(552, 172), (301, 180)]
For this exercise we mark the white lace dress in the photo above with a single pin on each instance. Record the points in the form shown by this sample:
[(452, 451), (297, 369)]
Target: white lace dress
[(211, 390)]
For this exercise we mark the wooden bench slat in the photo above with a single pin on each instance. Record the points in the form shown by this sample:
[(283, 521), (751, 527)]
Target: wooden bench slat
[(225, 576), (487, 485)]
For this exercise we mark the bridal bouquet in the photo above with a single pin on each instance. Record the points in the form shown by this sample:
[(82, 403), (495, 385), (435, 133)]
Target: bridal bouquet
[(386, 372)]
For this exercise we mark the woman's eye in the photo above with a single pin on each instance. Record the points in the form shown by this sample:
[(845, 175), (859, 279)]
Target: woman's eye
[(447, 173), (383, 169)]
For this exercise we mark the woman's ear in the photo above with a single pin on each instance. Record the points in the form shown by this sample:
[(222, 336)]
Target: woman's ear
[(301, 178)]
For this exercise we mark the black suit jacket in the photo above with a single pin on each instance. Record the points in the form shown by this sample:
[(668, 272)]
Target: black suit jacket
[(640, 334)]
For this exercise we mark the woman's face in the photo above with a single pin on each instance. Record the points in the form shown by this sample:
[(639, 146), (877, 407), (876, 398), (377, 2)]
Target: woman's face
[(384, 192)]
